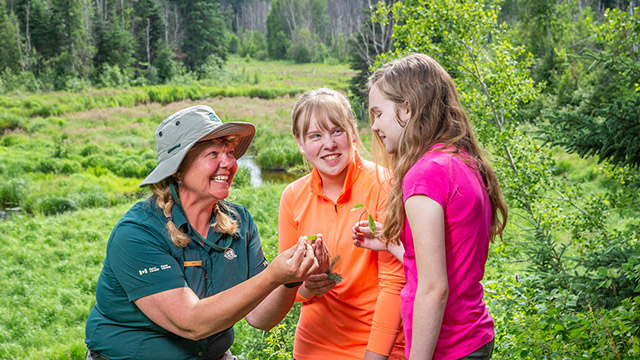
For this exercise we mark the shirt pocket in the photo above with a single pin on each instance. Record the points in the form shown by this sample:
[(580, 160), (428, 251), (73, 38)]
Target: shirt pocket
[(195, 272)]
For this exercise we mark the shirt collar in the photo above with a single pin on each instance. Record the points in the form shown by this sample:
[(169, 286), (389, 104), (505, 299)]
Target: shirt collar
[(180, 220), (355, 168)]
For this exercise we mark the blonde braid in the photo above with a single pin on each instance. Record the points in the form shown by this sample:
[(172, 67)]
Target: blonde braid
[(224, 223), (164, 200)]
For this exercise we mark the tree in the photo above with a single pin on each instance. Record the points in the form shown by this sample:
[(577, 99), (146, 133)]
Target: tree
[(74, 52), (11, 54), (114, 44), (278, 33), (148, 29), (372, 38), (607, 123), (204, 32)]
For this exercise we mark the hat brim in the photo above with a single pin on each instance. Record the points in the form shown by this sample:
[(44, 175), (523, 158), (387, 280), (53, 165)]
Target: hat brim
[(244, 130)]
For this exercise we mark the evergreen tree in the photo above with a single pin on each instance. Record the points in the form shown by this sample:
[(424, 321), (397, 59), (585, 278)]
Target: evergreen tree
[(40, 42), (204, 33), (74, 52), (606, 122), (278, 33), (148, 27), (114, 44), (10, 55)]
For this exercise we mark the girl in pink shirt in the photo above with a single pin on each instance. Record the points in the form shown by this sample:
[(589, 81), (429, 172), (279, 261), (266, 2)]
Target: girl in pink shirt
[(444, 208)]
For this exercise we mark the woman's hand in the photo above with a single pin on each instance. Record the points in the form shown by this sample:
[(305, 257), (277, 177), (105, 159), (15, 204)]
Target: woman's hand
[(317, 285), (362, 236), (321, 253), (295, 264)]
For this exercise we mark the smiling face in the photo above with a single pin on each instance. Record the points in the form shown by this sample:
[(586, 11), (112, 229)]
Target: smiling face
[(326, 146), (209, 170), (386, 118)]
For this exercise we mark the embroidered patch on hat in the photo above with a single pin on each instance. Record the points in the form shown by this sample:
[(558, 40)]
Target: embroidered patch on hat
[(213, 117)]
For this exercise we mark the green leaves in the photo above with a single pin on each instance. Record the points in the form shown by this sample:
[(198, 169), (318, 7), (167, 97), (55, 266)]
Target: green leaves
[(334, 276), (372, 223)]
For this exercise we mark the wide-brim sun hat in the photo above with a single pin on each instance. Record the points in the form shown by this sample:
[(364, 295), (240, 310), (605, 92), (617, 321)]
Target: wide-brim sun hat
[(177, 134)]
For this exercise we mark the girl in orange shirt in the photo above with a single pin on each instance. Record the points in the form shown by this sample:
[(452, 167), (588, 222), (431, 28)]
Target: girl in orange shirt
[(358, 317)]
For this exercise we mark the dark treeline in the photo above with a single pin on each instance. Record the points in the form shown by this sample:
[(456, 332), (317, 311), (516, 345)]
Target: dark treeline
[(71, 44)]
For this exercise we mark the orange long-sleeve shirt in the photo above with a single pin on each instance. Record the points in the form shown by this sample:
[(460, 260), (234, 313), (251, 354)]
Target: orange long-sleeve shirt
[(363, 311)]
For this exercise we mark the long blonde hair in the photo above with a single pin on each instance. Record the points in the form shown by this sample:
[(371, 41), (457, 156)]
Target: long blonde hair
[(437, 117), (225, 223), (327, 102)]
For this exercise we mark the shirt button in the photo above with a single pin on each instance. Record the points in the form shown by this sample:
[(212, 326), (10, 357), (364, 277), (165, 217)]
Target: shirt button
[(200, 353), (206, 276)]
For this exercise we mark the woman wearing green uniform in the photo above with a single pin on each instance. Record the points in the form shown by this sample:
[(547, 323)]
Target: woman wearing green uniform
[(183, 266)]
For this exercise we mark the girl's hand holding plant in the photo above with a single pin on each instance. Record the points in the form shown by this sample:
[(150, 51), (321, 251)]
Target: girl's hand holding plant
[(364, 238)]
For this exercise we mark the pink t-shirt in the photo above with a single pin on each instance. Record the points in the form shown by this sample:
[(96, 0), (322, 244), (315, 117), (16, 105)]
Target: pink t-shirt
[(446, 179)]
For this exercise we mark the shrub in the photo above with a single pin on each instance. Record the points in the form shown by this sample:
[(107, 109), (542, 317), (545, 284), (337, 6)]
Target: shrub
[(10, 121), (112, 76), (52, 205), (277, 152), (89, 150), (12, 192), (300, 53), (132, 167), (58, 166), (96, 160), (242, 177), (13, 139)]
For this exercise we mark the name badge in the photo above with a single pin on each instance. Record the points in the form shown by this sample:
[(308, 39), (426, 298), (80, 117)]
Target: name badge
[(193, 263)]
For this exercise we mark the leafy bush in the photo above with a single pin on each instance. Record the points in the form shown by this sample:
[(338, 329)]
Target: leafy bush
[(242, 177), (277, 152), (11, 121), (111, 76), (52, 205), (58, 166), (13, 191), (13, 139)]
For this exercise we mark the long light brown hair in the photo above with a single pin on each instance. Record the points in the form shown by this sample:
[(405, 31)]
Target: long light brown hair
[(437, 117), (225, 216)]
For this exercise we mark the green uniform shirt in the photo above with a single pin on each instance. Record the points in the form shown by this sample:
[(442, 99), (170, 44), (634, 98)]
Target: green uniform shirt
[(141, 260)]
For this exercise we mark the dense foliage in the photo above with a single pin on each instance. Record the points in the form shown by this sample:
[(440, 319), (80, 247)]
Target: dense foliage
[(580, 247)]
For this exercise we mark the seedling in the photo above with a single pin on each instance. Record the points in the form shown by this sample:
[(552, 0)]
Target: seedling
[(334, 276), (372, 223)]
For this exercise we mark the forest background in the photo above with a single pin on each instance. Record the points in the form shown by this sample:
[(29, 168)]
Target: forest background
[(551, 86)]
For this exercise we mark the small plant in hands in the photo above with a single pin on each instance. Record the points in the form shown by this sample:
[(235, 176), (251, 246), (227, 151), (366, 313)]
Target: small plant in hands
[(372, 223), (333, 276)]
